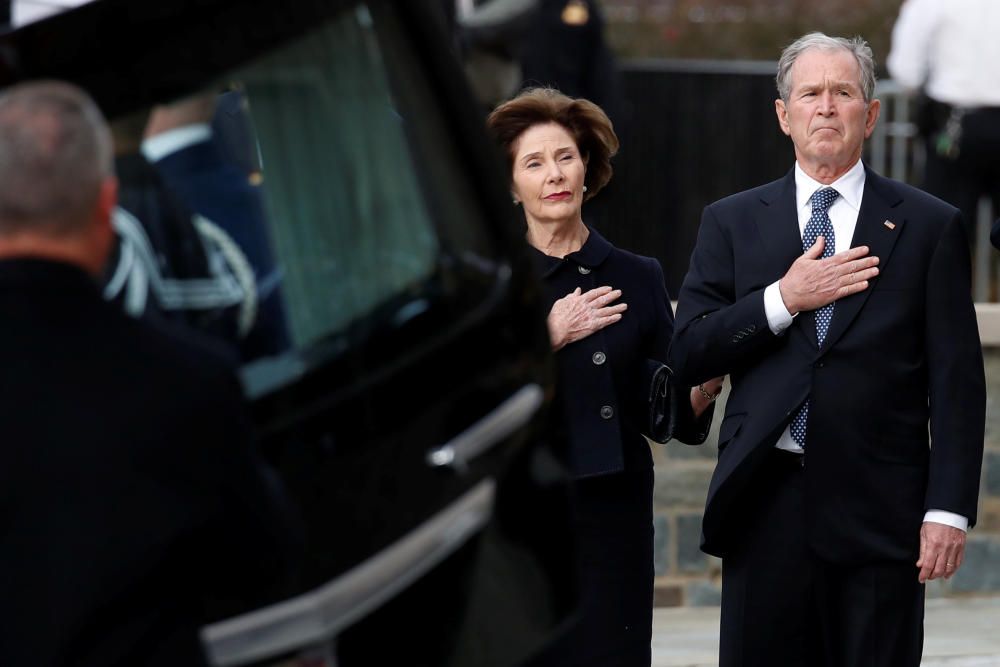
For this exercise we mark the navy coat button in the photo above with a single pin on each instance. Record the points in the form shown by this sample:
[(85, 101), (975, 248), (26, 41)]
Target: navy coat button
[(599, 358), (607, 412), (582, 269)]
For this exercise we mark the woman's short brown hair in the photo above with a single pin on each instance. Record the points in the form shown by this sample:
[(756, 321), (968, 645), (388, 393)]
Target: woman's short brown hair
[(589, 126)]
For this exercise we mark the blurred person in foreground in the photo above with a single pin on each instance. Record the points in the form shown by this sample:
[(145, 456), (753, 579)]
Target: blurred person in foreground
[(948, 53), (610, 322), (134, 506), (839, 302)]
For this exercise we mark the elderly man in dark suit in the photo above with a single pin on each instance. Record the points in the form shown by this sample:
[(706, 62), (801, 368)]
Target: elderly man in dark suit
[(839, 303), (133, 505)]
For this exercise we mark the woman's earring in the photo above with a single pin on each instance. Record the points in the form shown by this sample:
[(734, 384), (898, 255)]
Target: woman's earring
[(516, 202), (585, 188)]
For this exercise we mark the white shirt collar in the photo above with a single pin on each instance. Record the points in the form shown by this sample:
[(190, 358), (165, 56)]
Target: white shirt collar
[(160, 146), (850, 186)]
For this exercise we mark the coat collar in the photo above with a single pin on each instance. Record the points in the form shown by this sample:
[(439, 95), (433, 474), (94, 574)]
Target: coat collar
[(593, 253)]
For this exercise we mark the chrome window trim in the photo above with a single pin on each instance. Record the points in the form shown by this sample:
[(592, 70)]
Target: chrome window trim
[(319, 615), (492, 429)]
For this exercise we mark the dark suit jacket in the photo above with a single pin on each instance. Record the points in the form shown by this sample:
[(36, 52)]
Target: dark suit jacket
[(133, 506), (608, 370), (901, 353)]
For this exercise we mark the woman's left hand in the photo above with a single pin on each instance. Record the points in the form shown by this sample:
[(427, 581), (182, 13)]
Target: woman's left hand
[(705, 394)]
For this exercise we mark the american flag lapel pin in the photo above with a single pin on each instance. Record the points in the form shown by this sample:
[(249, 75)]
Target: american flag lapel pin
[(891, 225)]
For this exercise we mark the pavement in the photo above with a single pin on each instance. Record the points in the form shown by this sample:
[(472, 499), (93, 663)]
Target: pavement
[(957, 633)]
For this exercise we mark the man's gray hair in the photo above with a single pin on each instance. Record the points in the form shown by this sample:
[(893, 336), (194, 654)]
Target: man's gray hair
[(55, 152), (856, 46)]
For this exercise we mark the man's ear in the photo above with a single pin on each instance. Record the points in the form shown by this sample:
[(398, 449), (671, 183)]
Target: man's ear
[(107, 199), (96, 240), (782, 113), (871, 117)]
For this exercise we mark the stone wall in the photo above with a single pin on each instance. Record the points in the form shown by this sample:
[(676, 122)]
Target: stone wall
[(686, 576)]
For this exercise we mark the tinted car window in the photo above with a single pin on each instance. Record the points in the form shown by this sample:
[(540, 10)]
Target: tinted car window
[(365, 238)]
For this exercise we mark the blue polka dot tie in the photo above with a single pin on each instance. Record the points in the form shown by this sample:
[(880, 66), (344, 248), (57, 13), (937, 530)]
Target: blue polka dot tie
[(819, 225)]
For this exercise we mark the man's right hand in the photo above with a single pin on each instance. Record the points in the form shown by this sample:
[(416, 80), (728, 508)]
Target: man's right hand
[(812, 282)]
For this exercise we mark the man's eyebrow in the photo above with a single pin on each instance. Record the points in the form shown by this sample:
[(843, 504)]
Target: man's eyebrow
[(812, 86)]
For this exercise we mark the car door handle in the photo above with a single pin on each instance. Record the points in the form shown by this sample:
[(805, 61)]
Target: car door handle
[(489, 431)]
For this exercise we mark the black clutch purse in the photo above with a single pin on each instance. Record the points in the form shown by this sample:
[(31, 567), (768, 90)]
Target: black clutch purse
[(664, 405), (670, 413)]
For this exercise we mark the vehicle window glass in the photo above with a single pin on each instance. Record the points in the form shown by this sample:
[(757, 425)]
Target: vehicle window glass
[(356, 216), (348, 218)]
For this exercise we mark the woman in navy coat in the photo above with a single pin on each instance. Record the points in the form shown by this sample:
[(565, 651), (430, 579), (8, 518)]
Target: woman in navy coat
[(610, 324)]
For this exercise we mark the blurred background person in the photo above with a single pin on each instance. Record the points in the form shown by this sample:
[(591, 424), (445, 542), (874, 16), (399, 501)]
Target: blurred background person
[(609, 317), (507, 45), (565, 48), (219, 183), (948, 53), (490, 39), (170, 264), (135, 506)]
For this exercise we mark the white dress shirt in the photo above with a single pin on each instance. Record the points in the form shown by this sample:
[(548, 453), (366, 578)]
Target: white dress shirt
[(844, 216), (953, 46), (159, 146)]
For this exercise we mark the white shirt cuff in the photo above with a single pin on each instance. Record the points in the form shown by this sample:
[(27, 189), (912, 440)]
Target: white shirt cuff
[(161, 145), (778, 317), (948, 519)]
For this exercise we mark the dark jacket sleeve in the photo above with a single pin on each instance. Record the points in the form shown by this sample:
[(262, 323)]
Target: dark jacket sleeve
[(956, 382), (716, 331), (688, 428)]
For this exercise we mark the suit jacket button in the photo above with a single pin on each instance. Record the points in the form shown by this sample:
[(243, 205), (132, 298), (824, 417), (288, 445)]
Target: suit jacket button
[(819, 364), (582, 269), (607, 412), (599, 358)]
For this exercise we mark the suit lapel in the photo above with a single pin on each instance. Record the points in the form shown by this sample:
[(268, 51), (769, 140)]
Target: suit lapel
[(778, 223), (778, 227), (877, 204)]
